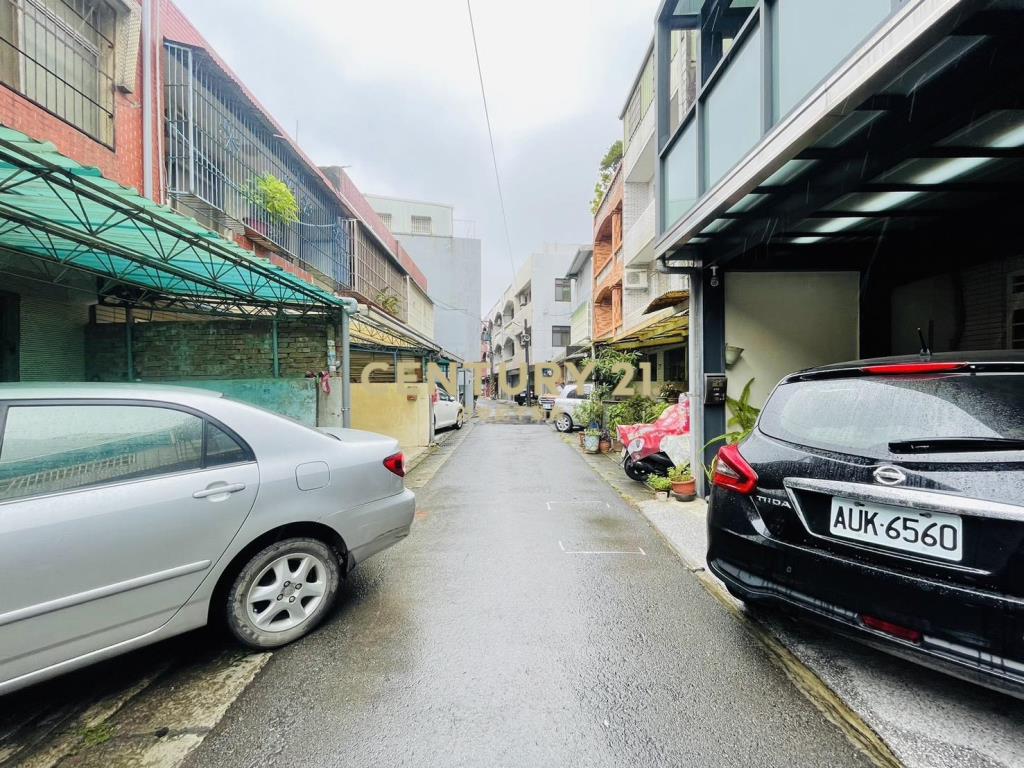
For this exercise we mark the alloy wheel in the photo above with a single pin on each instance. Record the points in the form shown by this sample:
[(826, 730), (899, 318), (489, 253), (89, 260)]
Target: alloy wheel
[(287, 592)]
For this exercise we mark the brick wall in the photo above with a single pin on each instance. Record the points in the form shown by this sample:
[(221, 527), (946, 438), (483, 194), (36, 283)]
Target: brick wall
[(985, 295), (214, 349), (122, 163)]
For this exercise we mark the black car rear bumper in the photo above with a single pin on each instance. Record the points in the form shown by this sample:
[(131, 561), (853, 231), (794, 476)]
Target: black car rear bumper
[(964, 632)]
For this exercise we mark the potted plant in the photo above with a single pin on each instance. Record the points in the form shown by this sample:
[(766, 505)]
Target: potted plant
[(683, 485), (589, 414), (388, 301), (660, 486), (605, 442), (592, 440), (275, 197)]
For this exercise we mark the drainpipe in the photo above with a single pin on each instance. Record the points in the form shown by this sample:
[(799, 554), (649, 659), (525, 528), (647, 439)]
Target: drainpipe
[(350, 307), (147, 98)]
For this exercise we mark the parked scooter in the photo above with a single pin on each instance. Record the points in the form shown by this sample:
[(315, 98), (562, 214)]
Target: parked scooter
[(654, 449)]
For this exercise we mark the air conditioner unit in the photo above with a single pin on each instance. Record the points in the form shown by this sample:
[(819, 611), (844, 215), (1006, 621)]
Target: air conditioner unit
[(635, 279)]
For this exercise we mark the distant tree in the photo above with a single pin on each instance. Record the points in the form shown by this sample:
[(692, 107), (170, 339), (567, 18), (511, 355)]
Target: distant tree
[(606, 172)]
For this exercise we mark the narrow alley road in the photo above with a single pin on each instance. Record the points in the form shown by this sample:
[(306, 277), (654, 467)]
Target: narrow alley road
[(532, 619)]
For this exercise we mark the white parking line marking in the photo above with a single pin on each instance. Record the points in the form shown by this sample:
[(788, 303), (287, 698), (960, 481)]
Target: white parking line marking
[(637, 551), (580, 501)]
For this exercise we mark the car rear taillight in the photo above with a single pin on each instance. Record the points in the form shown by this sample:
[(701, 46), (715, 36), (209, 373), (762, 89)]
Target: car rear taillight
[(396, 463), (893, 630), (733, 472), (903, 369)]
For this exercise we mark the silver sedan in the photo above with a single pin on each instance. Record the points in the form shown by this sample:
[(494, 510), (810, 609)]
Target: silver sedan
[(130, 513)]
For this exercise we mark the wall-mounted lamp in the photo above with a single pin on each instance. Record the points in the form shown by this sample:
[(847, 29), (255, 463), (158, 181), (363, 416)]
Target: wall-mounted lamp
[(732, 355)]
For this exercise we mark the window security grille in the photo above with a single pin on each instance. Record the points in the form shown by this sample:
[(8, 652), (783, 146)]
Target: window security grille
[(60, 54)]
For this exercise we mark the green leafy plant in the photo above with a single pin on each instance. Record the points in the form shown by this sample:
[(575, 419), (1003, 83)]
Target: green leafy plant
[(671, 390), (636, 410), (744, 416), (658, 483), (592, 432), (590, 412), (680, 474), (388, 301), (275, 197), (605, 377), (606, 172)]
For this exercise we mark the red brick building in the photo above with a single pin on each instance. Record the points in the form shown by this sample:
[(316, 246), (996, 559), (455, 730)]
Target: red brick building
[(72, 74)]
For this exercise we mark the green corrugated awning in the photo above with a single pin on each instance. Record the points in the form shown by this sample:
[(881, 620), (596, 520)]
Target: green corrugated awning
[(65, 215)]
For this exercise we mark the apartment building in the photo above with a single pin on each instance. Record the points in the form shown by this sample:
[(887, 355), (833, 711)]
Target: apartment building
[(838, 181), (452, 266), (581, 275), (655, 303), (532, 321)]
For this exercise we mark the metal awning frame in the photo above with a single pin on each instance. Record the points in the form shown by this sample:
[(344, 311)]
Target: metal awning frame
[(262, 288)]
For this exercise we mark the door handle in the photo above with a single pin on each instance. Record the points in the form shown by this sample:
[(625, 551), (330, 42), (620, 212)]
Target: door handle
[(217, 490)]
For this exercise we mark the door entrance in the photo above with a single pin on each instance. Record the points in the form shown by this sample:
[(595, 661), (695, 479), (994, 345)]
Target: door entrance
[(10, 337)]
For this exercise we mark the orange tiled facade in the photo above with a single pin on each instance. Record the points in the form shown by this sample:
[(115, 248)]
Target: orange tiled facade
[(608, 262)]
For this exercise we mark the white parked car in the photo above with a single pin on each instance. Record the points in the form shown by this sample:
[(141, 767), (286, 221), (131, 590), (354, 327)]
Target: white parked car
[(563, 407), (130, 513), (448, 411)]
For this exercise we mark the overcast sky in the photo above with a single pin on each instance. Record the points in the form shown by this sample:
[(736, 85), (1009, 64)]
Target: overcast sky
[(391, 89)]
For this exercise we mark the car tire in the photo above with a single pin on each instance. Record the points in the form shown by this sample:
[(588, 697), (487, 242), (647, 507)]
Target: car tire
[(269, 582), (564, 423), (459, 421)]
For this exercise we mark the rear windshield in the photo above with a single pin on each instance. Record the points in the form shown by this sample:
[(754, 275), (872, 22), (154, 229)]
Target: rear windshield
[(863, 415)]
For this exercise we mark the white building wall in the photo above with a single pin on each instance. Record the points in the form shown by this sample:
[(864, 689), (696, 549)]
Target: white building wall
[(551, 263), (421, 310), (786, 322), (401, 211)]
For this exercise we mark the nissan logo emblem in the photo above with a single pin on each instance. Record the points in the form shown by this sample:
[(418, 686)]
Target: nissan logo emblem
[(889, 475)]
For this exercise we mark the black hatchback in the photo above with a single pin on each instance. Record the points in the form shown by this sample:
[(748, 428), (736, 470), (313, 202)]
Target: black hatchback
[(886, 498)]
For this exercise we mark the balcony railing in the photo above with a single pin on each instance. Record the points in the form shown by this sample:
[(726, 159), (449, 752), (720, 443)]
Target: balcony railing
[(639, 236), (218, 147), (640, 102)]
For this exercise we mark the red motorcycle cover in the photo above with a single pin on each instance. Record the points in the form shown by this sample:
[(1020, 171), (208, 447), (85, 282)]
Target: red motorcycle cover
[(669, 433)]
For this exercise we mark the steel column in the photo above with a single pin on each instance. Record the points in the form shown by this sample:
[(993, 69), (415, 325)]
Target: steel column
[(273, 342), (129, 316)]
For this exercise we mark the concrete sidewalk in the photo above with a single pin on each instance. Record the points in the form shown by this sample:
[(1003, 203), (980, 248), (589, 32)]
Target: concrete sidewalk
[(923, 719)]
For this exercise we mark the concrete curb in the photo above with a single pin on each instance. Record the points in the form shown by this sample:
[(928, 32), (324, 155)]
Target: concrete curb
[(828, 702)]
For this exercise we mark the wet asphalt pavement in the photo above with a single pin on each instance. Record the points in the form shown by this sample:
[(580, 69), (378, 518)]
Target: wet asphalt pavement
[(531, 619)]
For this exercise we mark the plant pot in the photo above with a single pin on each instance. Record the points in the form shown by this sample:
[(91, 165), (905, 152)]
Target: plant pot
[(685, 488), (617, 445), (604, 445), (581, 439), (591, 443), (681, 497), (661, 495)]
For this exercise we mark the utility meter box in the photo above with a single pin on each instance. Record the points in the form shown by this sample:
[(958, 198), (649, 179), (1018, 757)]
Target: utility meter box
[(715, 385)]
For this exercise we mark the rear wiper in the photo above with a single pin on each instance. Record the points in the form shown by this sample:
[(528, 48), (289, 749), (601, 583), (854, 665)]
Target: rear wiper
[(956, 444)]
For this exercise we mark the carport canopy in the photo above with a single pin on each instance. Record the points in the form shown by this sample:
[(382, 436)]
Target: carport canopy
[(923, 165), (57, 215)]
